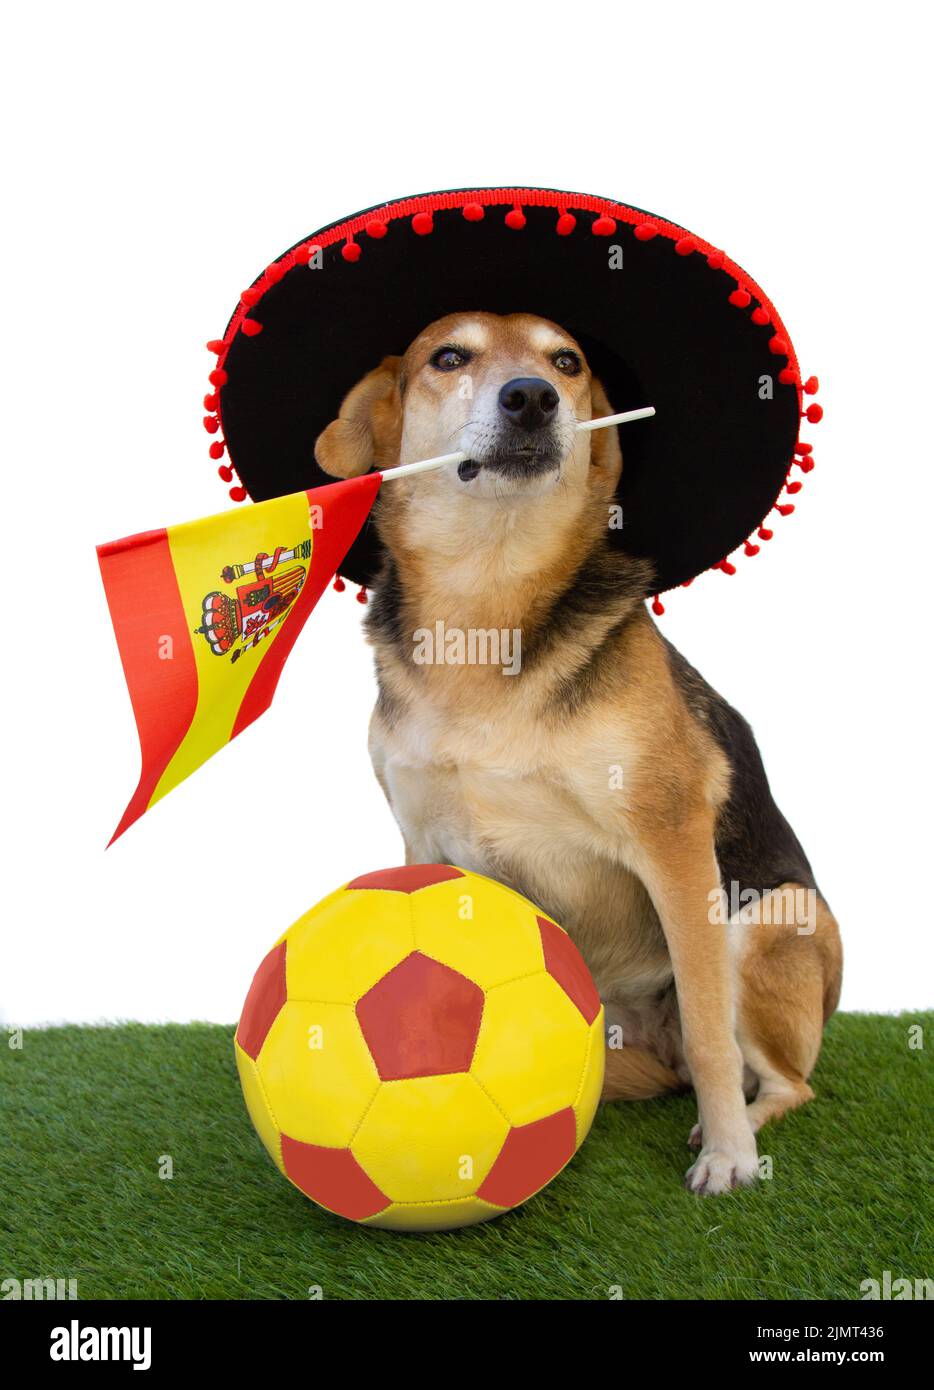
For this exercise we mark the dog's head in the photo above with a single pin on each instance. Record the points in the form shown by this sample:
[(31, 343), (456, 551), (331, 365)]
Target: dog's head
[(507, 390)]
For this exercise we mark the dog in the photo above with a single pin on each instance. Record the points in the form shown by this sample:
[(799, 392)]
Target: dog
[(603, 778)]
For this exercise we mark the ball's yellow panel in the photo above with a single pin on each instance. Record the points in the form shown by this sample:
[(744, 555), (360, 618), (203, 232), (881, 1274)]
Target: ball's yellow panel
[(430, 1138), (479, 928), (324, 903), (317, 1072), (258, 1106), (339, 949), (531, 1048), (433, 1216), (592, 1080)]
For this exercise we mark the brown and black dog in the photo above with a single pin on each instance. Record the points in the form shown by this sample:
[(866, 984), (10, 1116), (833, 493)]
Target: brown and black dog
[(600, 775)]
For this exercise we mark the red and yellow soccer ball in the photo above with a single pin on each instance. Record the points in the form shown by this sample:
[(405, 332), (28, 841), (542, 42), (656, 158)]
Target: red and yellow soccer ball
[(422, 1050)]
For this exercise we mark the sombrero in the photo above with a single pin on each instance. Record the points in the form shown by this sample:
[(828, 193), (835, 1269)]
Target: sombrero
[(666, 319)]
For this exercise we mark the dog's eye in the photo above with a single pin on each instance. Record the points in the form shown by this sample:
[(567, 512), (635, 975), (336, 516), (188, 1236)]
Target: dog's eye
[(448, 359), (567, 361)]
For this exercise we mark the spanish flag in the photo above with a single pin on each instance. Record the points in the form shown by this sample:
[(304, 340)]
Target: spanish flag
[(206, 613)]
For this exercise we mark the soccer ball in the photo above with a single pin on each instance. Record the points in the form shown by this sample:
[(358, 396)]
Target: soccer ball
[(422, 1050)]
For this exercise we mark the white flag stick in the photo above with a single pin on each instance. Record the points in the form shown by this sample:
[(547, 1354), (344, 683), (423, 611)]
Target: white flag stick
[(425, 465), (643, 413)]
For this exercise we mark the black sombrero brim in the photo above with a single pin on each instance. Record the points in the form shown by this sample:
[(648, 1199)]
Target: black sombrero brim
[(665, 318)]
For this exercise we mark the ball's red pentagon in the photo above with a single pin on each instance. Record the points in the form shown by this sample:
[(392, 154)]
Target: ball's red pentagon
[(421, 1019), (407, 878), (264, 999), (565, 964), (530, 1157), (332, 1177)]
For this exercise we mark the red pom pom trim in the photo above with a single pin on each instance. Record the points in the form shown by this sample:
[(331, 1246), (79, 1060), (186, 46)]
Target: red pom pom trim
[(252, 296), (216, 450), (218, 377), (658, 607), (604, 226), (225, 474), (760, 315), (351, 252), (238, 494), (251, 327), (422, 224), (473, 212), (565, 224), (741, 298), (211, 424), (645, 231), (814, 413), (515, 219), (686, 246), (376, 229), (216, 345)]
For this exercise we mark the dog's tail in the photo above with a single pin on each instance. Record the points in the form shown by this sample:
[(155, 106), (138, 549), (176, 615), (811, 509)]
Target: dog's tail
[(635, 1075)]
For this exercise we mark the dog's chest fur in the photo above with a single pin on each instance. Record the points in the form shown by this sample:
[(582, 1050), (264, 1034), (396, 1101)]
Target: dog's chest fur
[(497, 793)]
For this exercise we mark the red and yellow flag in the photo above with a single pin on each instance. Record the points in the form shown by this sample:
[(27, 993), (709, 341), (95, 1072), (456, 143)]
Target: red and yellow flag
[(206, 613)]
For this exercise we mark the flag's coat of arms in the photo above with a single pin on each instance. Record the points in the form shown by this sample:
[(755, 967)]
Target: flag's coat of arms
[(232, 624), (173, 620)]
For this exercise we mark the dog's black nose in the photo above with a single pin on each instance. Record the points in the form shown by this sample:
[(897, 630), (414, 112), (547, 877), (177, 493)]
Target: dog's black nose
[(528, 402)]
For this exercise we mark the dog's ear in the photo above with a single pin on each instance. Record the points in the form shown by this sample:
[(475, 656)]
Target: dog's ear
[(605, 452), (368, 428)]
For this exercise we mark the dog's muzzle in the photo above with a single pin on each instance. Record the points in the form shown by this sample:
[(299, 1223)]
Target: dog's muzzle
[(512, 457), (524, 441)]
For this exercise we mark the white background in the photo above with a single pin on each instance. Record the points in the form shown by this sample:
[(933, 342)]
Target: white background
[(158, 157)]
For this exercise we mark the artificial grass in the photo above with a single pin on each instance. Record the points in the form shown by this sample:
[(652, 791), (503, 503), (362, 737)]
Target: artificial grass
[(86, 1114)]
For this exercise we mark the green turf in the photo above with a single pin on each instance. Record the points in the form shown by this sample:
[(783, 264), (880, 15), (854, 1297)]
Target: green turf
[(86, 1113)]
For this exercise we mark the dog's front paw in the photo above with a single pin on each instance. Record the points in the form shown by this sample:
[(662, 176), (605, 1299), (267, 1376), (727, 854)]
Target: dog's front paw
[(722, 1169)]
